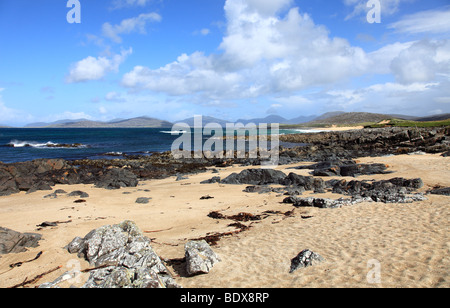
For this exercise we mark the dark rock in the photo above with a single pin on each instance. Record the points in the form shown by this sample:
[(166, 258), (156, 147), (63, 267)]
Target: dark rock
[(255, 177), (78, 193), (208, 197), (440, 191), (15, 242), (143, 200), (305, 259), (397, 190), (305, 182), (41, 185), (215, 179), (116, 179)]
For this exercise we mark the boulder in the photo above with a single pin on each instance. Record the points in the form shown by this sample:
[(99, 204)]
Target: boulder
[(305, 259), (255, 177), (200, 258), (143, 200), (440, 191), (14, 242), (124, 257), (116, 179), (304, 182)]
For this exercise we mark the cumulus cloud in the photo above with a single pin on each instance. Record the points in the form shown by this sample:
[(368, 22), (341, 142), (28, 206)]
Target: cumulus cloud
[(92, 68), (423, 61), (127, 26), (262, 52), (276, 53)]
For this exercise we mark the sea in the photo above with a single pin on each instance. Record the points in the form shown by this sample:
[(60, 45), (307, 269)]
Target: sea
[(25, 144)]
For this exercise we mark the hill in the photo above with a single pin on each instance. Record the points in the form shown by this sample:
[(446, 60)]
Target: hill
[(350, 118), (144, 122)]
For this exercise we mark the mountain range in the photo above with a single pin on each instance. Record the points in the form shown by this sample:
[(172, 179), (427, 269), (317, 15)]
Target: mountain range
[(329, 118)]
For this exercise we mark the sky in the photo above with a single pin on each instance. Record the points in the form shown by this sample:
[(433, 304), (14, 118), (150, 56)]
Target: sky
[(230, 59)]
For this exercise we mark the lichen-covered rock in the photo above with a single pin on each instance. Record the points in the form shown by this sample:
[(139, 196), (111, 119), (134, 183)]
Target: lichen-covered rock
[(125, 256), (200, 258), (304, 259)]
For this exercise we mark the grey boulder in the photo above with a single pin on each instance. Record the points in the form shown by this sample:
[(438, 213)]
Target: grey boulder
[(124, 258), (200, 258)]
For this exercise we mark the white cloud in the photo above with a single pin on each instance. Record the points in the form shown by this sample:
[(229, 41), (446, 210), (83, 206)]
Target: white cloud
[(114, 97), (431, 21), (127, 26), (92, 68), (262, 53), (117, 4), (10, 116), (388, 7), (205, 31), (278, 55), (423, 61)]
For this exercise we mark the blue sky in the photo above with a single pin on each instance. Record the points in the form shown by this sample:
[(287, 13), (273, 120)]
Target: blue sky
[(231, 59)]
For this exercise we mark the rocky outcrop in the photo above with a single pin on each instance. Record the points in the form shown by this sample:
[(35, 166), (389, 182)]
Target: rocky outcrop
[(368, 142), (124, 257), (346, 168), (14, 242), (27, 176), (396, 190)]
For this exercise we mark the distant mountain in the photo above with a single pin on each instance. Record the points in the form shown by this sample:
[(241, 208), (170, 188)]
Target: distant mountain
[(205, 120), (118, 123), (302, 119), (438, 117), (329, 115), (278, 119), (45, 124), (268, 120)]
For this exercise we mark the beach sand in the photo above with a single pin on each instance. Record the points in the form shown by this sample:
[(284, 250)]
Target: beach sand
[(408, 243)]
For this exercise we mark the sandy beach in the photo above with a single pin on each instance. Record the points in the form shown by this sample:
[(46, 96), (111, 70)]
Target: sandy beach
[(410, 241)]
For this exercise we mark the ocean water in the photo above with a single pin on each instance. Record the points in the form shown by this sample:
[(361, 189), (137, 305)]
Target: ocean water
[(19, 144)]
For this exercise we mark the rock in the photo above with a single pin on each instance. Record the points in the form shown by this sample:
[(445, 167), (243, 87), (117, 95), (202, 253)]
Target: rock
[(143, 200), (215, 179), (116, 179), (396, 190), (304, 182), (200, 258), (78, 193), (255, 177), (440, 191), (305, 259), (347, 168), (14, 242), (181, 178), (126, 257), (41, 185), (317, 202), (208, 197)]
